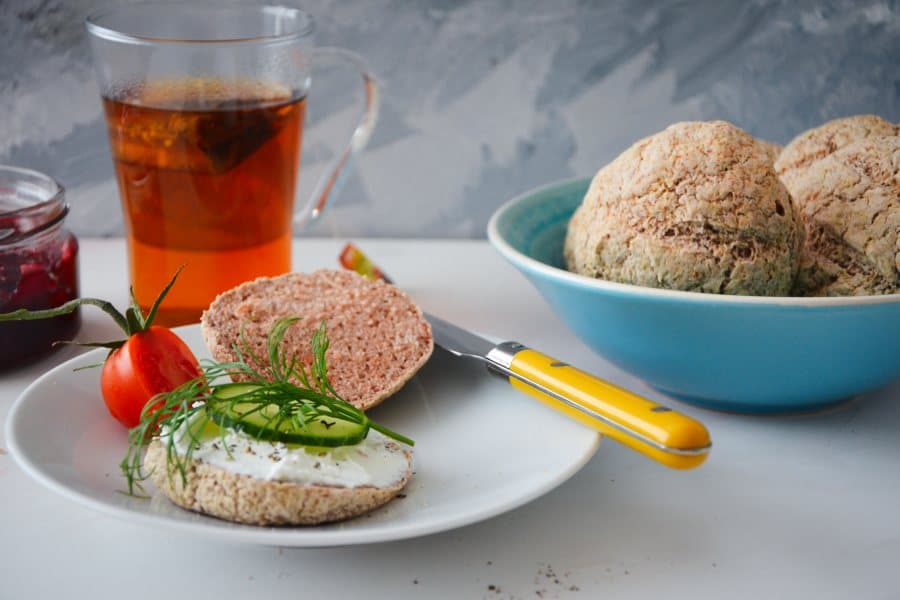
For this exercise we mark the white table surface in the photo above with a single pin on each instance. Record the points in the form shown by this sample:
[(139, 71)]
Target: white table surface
[(792, 507)]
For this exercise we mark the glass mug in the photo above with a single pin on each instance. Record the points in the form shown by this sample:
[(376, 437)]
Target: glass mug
[(205, 107)]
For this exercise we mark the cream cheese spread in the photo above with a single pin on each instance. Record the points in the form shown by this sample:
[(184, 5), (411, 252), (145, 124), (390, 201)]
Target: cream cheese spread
[(376, 461)]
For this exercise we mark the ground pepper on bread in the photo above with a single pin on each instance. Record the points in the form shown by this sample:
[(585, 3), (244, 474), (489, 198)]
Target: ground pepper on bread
[(214, 491), (254, 453)]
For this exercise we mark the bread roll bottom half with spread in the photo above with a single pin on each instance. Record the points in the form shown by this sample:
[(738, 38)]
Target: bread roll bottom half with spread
[(378, 339)]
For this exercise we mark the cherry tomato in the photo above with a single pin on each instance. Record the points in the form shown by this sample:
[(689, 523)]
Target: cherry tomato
[(149, 362)]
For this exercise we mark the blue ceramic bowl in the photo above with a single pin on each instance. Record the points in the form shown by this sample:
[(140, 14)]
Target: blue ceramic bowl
[(737, 353)]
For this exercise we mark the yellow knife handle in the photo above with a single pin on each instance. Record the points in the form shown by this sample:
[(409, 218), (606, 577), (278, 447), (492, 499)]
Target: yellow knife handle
[(656, 431)]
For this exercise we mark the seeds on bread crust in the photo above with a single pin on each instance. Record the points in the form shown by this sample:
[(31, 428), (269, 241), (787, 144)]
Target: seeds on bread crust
[(379, 337)]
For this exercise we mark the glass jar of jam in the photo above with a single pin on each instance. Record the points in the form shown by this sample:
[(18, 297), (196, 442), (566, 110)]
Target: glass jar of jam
[(38, 264)]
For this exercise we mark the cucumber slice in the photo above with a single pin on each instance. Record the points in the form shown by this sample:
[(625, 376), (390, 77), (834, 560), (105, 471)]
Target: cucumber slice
[(267, 421), (203, 429)]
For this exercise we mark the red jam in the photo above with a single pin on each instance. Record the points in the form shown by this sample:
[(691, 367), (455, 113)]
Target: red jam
[(38, 265)]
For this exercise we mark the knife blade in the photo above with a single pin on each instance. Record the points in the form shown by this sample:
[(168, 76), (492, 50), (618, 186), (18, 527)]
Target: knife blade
[(657, 431)]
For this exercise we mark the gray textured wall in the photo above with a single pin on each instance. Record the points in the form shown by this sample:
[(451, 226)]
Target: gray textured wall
[(485, 99)]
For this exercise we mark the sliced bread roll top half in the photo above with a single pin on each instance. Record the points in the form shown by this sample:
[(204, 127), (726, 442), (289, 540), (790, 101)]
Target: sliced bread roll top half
[(378, 336)]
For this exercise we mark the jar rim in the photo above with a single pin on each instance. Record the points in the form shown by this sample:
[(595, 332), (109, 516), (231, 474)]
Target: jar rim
[(42, 203)]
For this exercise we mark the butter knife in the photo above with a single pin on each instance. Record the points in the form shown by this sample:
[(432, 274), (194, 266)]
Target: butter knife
[(652, 429)]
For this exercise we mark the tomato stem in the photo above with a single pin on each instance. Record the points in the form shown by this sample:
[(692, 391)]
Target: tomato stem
[(132, 317), (152, 314), (110, 345), (23, 314), (131, 322), (139, 322)]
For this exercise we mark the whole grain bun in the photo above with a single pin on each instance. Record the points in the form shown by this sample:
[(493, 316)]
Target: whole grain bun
[(849, 205), (243, 499), (815, 144), (378, 337), (771, 149), (696, 207)]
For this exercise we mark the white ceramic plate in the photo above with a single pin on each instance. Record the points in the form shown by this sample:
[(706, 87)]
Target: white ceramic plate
[(481, 449)]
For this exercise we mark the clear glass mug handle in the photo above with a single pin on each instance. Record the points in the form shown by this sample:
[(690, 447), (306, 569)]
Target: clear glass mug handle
[(331, 180)]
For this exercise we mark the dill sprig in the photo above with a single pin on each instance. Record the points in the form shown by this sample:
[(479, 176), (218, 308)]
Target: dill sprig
[(279, 390)]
